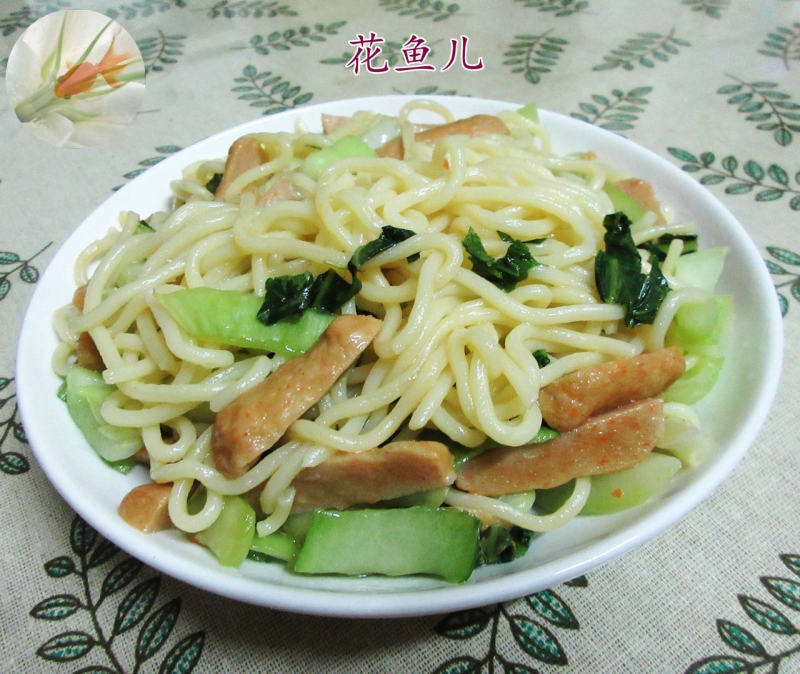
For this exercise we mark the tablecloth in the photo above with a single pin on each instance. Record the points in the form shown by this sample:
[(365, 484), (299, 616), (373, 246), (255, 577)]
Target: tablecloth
[(712, 86)]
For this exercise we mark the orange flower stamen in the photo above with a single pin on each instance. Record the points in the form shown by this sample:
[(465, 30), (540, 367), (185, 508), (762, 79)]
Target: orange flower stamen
[(81, 78)]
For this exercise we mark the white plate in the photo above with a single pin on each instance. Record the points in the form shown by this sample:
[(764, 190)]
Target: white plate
[(733, 412)]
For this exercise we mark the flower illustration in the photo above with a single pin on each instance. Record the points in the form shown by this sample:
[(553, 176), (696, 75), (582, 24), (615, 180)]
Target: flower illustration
[(75, 77)]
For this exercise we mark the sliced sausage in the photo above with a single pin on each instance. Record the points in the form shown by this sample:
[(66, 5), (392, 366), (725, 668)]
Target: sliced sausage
[(147, 507), (571, 400), (604, 444), (244, 154), (478, 125), (253, 422), (282, 189), (87, 354), (396, 469)]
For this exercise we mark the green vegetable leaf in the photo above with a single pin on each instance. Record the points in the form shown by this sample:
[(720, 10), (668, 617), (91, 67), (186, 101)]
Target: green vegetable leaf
[(292, 295), (658, 247), (619, 277), (389, 237), (541, 357), (213, 184), (505, 272), (498, 545)]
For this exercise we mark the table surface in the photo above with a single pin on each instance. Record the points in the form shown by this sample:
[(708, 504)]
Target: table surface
[(713, 86)]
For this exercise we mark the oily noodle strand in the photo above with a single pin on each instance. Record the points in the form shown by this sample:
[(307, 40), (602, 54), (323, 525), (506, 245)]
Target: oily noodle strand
[(455, 351)]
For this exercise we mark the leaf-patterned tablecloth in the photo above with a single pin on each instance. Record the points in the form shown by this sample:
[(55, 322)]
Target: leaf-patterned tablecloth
[(711, 85)]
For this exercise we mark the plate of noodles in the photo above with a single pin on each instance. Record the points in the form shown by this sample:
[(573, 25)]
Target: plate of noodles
[(394, 356)]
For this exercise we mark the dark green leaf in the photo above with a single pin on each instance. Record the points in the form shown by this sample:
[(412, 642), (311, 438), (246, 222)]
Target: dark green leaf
[(719, 664), (796, 290), (769, 195), (767, 616), (784, 590), (82, 536), (499, 545), (120, 576), (754, 170), (5, 286), (66, 647), (213, 184), (682, 155), (542, 357), (730, 163), (775, 268), (505, 272), (553, 609), (13, 463), (580, 581), (389, 237), (157, 630), (57, 607), (7, 257), (783, 303), (792, 563), (463, 624), (102, 553), (536, 640), (463, 664), (136, 604), (712, 179), (619, 277), (288, 296), (739, 188), (739, 638), (778, 174), (59, 567), (183, 658), (729, 89)]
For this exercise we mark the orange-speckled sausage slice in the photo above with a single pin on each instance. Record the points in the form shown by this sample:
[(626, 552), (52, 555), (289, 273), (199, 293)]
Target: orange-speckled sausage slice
[(571, 400), (396, 469), (604, 444), (244, 154), (253, 422), (477, 125), (147, 507)]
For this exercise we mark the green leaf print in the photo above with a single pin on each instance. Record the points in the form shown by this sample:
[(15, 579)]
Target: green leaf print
[(160, 50), (616, 112), (11, 462), (249, 8), (432, 90), (268, 91), (142, 8), (436, 10), (23, 17), (756, 178), (163, 152), (770, 109), (783, 43), (792, 259), (303, 36), (531, 635), (712, 8), (91, 555), (765, 616), (646, 49), (534, 55), (12, 263), (556, 7)]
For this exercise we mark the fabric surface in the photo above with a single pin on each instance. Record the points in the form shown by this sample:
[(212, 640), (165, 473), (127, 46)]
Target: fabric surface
[(711, 85)]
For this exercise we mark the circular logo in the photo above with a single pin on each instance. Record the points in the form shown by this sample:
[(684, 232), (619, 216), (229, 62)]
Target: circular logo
[(75, 78)]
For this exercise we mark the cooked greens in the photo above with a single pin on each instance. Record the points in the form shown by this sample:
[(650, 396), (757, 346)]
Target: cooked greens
[(619, 277), (505, 272)]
